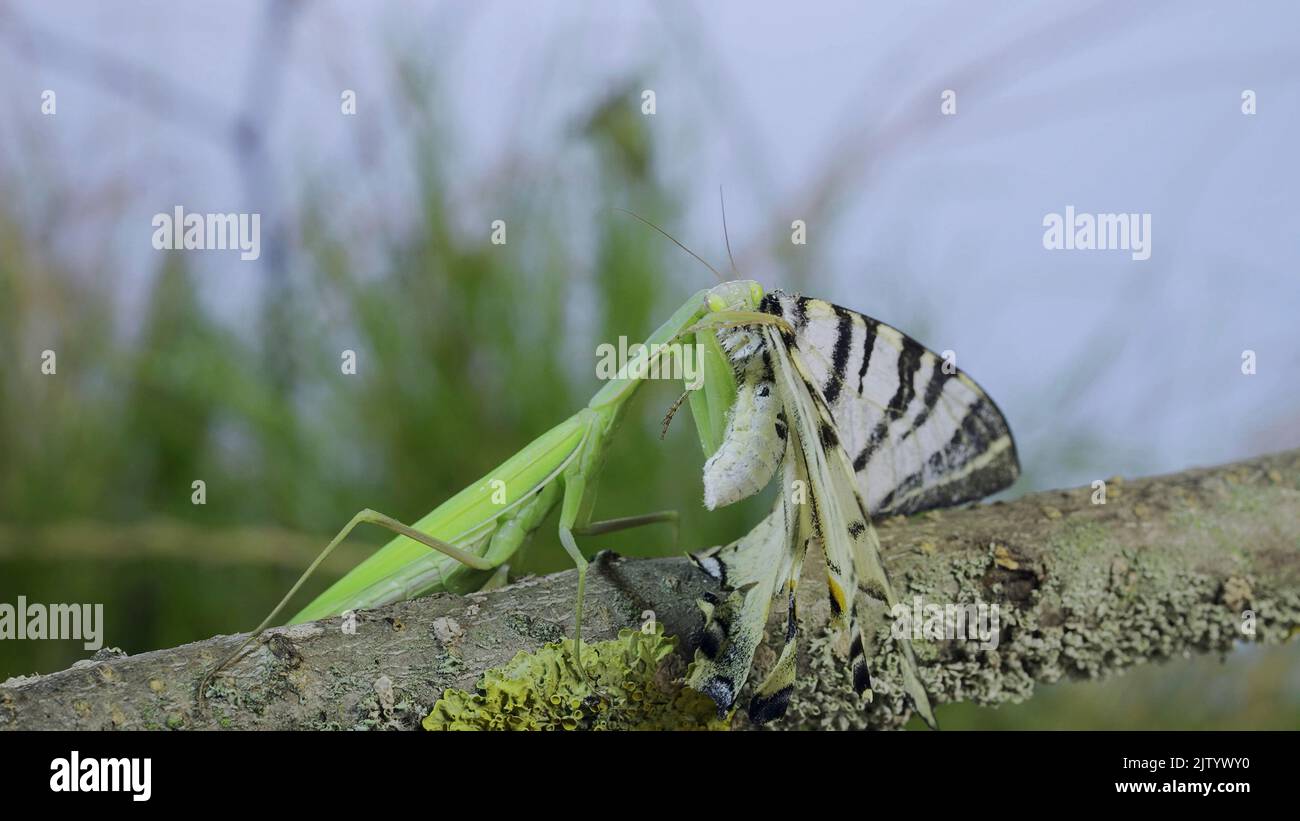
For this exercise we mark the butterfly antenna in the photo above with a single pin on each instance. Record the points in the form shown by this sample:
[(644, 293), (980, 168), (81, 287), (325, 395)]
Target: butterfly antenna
[(723, 201), (701, 259)]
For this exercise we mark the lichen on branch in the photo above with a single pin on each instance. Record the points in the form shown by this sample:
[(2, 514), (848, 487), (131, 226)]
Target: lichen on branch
[(633, 682)]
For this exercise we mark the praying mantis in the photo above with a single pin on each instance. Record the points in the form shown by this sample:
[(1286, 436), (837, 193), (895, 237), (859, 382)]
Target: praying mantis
[(464, 543)]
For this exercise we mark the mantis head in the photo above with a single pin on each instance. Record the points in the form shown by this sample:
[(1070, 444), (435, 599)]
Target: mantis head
[(736, 295)]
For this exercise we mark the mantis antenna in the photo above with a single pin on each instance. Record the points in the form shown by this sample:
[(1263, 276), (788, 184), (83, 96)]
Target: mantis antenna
[(675, 241), (725, 235)]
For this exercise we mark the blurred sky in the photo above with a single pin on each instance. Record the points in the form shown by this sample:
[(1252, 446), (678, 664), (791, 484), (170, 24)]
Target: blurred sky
[(1103, 364)]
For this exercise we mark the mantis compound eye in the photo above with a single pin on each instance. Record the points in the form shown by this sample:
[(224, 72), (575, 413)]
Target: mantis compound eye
[(756, 292), (717, 303)]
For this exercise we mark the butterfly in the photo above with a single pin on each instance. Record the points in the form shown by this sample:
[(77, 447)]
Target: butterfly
[(861, 420)]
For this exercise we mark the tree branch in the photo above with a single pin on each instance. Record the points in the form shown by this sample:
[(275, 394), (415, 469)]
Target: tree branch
[(1166, 566)]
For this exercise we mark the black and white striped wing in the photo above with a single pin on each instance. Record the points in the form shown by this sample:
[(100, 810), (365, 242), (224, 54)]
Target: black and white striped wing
[(918, 436), (836, 515)]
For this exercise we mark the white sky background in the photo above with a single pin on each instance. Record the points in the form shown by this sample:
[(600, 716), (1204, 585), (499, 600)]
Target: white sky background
[(938, 220)]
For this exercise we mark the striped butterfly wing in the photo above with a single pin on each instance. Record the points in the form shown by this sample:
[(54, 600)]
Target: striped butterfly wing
[(837, 516), (918, 436)]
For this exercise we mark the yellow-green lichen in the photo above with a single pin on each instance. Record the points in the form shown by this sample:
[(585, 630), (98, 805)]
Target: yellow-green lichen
[(638, 685)]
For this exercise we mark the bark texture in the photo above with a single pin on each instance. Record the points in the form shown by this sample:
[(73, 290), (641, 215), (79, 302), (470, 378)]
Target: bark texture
[(1188, 563)]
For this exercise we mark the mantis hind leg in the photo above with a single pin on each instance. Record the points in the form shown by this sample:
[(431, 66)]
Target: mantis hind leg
[(366, 516)]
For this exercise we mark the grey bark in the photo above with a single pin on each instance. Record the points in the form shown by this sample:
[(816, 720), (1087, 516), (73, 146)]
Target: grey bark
[(1192, 562)]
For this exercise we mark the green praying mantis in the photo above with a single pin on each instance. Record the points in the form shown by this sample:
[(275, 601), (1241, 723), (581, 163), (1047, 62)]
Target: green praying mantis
[(463, 544)]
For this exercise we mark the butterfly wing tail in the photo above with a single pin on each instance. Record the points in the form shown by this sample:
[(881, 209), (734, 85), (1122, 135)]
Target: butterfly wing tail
[(772, 697)]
